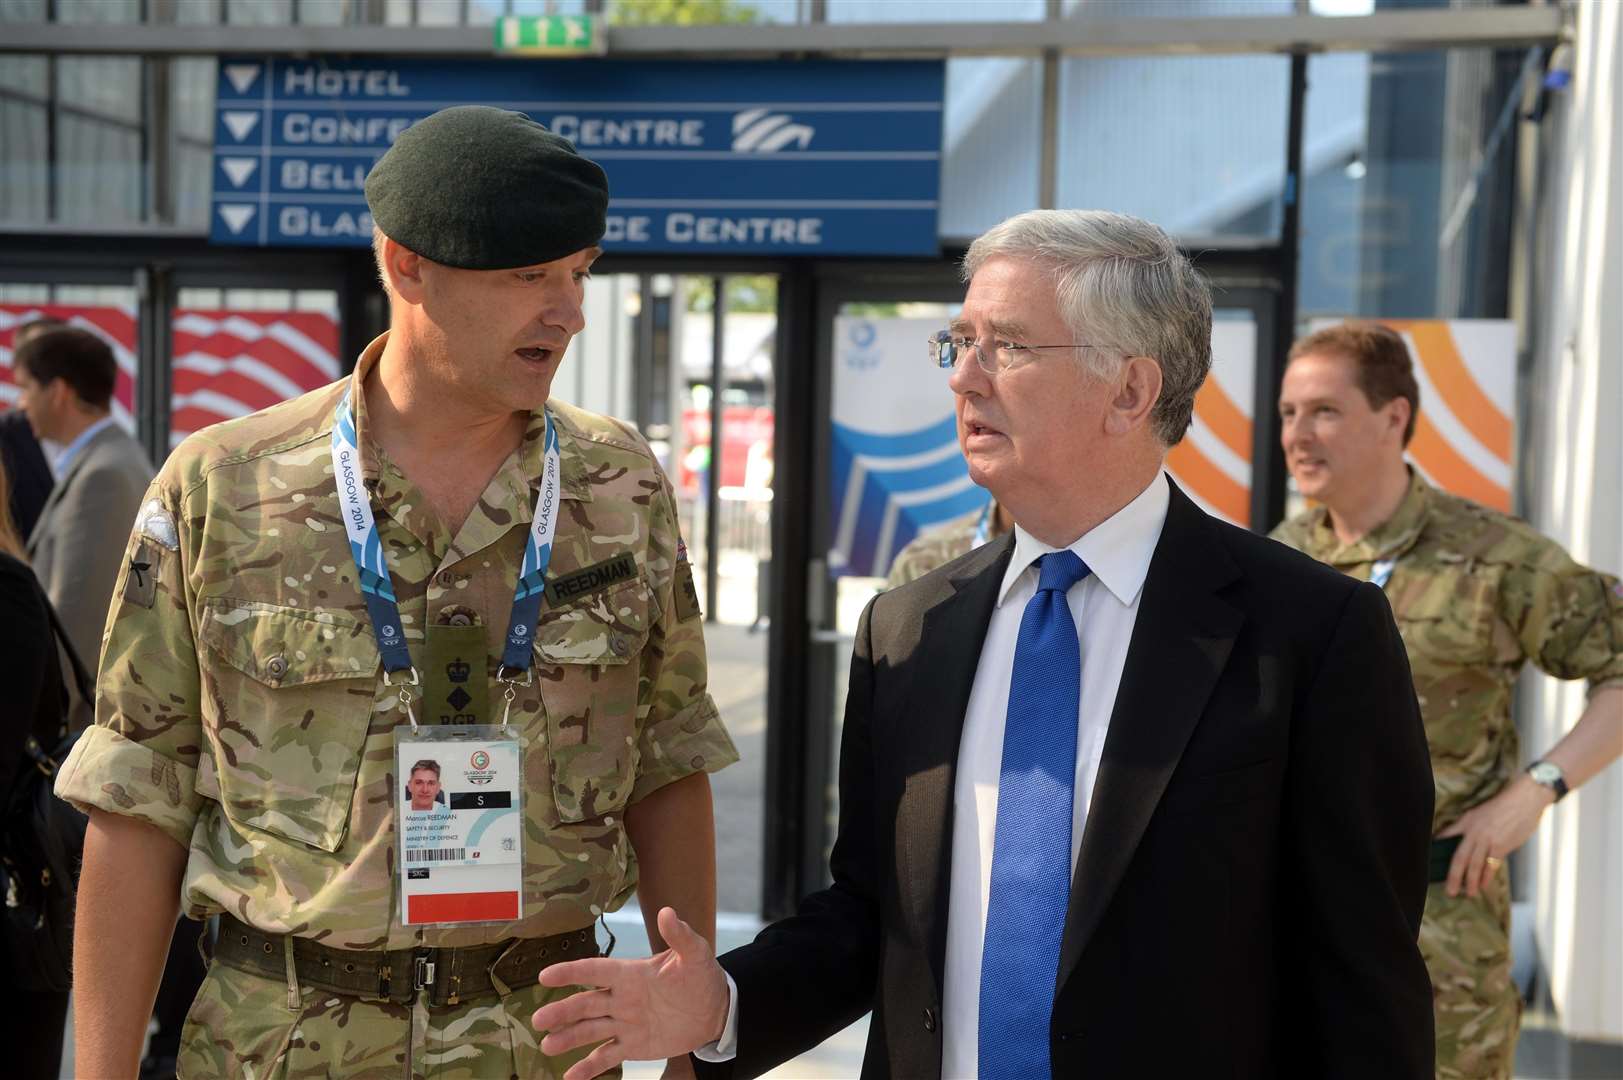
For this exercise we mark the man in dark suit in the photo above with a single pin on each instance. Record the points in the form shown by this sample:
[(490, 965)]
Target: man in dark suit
[(1126, 792), (20, 452)]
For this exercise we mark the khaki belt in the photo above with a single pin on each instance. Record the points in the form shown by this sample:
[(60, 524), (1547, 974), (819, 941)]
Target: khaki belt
[(449, 975)]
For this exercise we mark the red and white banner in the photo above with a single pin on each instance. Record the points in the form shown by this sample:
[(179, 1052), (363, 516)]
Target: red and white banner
[(115, 325), (227, 363), (232, 363)]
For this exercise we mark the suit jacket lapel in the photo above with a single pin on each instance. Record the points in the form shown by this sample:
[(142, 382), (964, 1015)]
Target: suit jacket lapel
[(949, 651), (1181, 642)]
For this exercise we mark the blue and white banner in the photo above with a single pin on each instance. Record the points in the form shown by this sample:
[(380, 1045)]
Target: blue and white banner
[(898, 470), (828, 157)]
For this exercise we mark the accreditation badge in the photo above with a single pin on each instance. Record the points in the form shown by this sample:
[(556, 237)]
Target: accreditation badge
[(459, 821)]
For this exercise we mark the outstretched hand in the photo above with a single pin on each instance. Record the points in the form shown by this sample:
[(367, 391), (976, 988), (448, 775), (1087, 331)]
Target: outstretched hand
[(661, 1007)]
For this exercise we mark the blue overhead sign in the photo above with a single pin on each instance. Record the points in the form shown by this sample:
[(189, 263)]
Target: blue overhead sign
[(819, 157)]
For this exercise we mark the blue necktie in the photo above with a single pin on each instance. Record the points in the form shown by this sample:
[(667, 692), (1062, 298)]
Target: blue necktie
[(1031, 853)]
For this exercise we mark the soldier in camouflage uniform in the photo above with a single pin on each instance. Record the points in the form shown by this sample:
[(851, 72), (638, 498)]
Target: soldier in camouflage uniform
[(940, 546), (245, 722), (1476, 595)]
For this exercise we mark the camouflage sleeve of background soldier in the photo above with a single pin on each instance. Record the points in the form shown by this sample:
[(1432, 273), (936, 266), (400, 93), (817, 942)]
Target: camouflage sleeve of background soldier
[(1568, 618), (913, 561), (924, 553), (140, 757), (681, 732)]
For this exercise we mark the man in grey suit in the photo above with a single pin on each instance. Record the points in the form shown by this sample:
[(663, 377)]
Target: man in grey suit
[(66, 377)]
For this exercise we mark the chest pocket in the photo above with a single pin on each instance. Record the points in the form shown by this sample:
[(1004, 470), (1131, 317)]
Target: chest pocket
[(588, 656), (1447, 616), (288, 702)]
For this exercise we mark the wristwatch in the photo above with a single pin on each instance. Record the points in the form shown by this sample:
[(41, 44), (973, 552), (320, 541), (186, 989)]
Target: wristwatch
[(1550, 775)]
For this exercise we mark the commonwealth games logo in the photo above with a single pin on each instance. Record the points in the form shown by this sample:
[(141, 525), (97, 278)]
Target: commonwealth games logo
[(480, 760)]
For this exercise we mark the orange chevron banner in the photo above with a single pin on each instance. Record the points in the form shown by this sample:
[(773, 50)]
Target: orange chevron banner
[(1213, 463)]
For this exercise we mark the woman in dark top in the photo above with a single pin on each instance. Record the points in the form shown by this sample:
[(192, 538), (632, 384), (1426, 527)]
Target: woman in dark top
[(32, 1022)]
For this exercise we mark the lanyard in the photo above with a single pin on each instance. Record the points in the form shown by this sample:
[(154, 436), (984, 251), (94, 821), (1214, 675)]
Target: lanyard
[(1381, 572), (378, 590), (983, 525)]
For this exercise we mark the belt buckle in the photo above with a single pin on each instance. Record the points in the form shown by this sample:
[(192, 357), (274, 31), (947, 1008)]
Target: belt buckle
[(422, 972)]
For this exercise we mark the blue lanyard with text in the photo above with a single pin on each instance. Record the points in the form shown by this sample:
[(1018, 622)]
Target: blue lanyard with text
[(378, 591), (1381, 572), (983, 525)]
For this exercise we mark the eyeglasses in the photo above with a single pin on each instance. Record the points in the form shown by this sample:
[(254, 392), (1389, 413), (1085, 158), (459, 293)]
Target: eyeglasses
[(948, 352)]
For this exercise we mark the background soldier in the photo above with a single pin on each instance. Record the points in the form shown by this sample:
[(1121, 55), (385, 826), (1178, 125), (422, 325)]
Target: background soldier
[(243, 752), (940, 546), (1476, 594)]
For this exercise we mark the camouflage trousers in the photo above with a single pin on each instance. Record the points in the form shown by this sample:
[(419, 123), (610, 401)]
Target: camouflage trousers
[(241, 1027), (1466, 944)]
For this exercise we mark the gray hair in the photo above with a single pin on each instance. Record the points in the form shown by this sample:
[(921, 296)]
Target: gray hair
[(1123, 285)]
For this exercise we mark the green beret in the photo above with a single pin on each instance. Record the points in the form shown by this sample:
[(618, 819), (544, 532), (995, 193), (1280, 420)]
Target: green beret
[(487, 189)]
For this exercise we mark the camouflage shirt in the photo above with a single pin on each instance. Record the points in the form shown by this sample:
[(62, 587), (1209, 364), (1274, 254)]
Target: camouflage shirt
[(1476, 594), (242, 709), (938, 547)]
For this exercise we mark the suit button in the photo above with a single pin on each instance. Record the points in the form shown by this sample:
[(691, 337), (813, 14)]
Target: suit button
[(929, 1020)]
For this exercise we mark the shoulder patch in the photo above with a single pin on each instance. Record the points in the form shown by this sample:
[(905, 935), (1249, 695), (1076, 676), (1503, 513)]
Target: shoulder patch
[(141, 576), (157, 523), (687, 597)]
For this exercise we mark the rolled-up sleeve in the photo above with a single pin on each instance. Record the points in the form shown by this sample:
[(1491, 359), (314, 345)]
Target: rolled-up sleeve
[(140, 757), (681, 732), (1567, 617)]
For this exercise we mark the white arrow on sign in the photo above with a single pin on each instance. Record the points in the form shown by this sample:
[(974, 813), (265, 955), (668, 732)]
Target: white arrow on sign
[(242, 76), (240, 124), (239, 169), (574, 32), (237, 215)]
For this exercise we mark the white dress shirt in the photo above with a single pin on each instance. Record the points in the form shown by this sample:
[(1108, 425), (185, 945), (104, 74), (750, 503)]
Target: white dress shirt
[(1104, 606)]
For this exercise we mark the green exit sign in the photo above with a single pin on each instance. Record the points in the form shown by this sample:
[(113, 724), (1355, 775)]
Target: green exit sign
[(550, 35)]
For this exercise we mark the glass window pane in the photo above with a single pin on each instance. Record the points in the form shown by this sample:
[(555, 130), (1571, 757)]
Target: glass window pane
[(1392, 224), (439, 12), (22, 10), (1179, 9), (24, 118), (933, 11), (198, 11), (100, 89), (1196, 145), (326, 12), (98, 11), (99, 171), (993, 131), (259, 12), (705, 12), (191, 133)]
